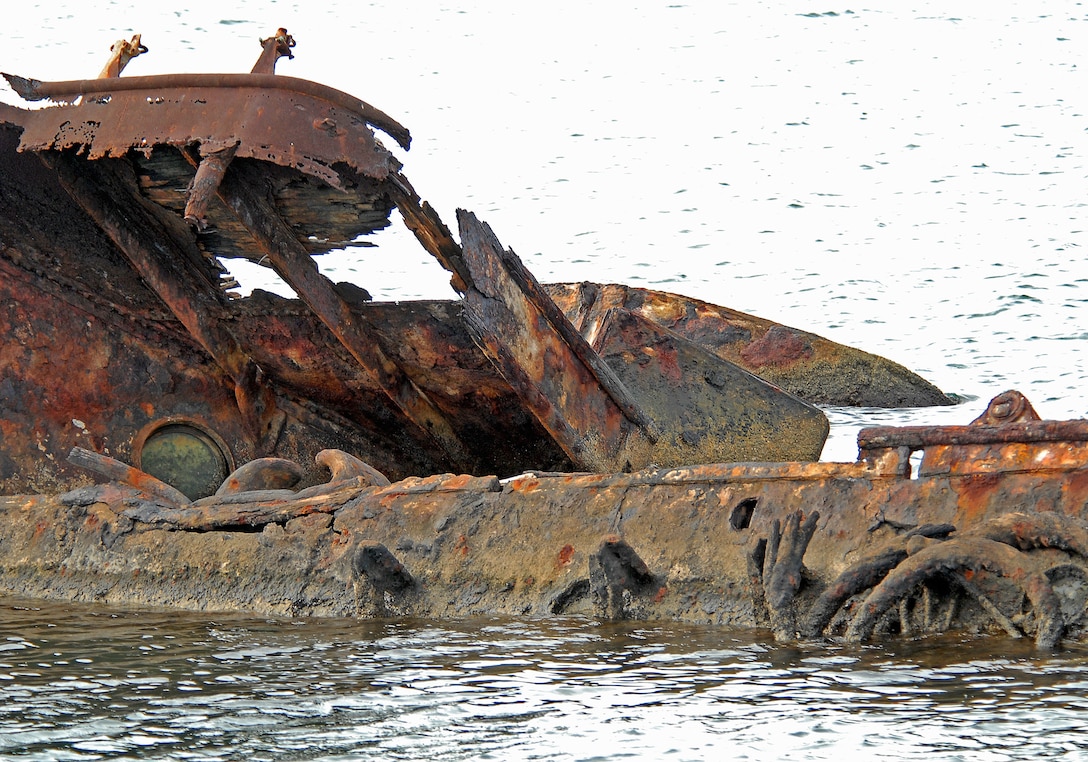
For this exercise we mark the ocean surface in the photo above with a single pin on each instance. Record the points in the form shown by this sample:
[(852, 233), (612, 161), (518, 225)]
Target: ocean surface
[(909, 180)]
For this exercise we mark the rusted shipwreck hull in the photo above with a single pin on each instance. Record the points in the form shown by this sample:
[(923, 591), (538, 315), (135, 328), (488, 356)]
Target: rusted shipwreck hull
[(933, 529), (119, 206), (166, 442)]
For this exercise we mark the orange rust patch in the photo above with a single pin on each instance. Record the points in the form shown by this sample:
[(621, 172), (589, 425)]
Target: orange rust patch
[(1075, 489), (669, 364), (457, 482), (779, 346), (661, 594), (462, 545), (525, 485), (975, 493)]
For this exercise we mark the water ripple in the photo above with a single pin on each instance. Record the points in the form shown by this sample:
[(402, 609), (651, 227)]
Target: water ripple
[(232, 687)]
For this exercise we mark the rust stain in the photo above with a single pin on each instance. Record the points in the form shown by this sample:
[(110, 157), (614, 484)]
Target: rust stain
[(668, 362), (566, 554), (525, 485), (458, 482), (779, 346), (975, 493)]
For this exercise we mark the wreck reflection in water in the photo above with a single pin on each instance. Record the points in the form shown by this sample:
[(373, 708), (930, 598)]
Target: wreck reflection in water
[(81, 682)]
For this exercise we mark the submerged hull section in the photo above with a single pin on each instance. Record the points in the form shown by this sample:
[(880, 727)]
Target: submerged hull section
[(987, 532)]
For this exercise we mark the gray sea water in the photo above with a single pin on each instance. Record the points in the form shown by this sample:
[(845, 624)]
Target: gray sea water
[(81, 683), (907, 179)]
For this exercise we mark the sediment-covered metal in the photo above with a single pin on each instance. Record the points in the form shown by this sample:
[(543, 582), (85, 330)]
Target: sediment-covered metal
[(813, 368), (854, 550)]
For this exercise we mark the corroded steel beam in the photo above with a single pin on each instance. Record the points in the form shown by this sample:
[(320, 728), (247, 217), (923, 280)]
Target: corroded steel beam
[(566, 385), (240, 191), (421, 218), (918, 437)]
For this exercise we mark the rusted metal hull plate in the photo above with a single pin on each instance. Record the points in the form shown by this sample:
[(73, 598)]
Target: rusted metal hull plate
[(262, 114), (815, 369), (709, 411), (994, 550)]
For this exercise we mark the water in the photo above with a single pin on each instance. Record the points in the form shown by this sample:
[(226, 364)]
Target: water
[(85, 683), (908, 180)]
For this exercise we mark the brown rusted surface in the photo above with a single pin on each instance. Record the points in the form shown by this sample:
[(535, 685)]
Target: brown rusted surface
[(813, 368), (574, 395), (639, 394), (74, 353), (186, 97), (858, 549), (105, 276), (709, 411), (119, 329), (239, 191)]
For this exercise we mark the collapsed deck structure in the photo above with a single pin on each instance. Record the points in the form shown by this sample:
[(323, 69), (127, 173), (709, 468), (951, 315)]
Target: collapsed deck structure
[(525, 449), (121, 202)]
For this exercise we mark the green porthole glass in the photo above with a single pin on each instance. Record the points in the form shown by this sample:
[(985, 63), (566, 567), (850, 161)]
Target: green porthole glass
[(186, 457)]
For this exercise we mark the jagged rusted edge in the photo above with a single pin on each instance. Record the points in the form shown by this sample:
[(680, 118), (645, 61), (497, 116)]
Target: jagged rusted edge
[(67, 91)]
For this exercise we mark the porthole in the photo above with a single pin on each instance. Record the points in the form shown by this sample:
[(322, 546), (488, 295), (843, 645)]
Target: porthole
[(185, 454)]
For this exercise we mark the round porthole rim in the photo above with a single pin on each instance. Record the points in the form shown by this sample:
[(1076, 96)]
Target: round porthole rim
[(159, 424)]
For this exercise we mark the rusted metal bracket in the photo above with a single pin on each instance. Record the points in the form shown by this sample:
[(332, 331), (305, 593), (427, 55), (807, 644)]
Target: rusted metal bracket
[(153, 241), (239, 190), (273, 49), (205, 185), (121, 52)]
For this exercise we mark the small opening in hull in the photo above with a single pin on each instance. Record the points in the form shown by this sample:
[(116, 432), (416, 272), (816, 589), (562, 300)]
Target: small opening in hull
[(741, 517)]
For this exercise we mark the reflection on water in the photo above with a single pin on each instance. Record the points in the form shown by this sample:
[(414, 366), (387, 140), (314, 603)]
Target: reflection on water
[(84, 683)]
